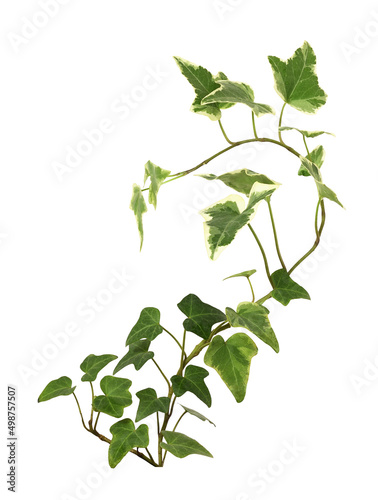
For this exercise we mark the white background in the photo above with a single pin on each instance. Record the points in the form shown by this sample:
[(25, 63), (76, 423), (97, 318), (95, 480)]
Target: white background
[(61, 240)]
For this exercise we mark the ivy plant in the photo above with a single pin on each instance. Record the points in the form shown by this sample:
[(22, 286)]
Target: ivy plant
[(296, 82)]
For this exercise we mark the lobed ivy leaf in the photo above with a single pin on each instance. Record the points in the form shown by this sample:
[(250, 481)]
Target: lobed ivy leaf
[(92, 365), (147, 327), (201, 317), (203, 83), (323, 190), (241, 180), (157, 176), (232, 360), (192, 381), (117, 396), (223, 220), (286, 289), (236, 92), (181, 445), (306, 133), (317, 156), (197, 414), (125, 438), (149, 403), (254, 317), (139, 207), (296, 81), (137, 355), (245, 274), (59, 387)]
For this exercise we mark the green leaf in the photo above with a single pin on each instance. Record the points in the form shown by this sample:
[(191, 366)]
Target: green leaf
[(203, 83), (193, 381), (92, 365), (157, 176), (306, 133), (317, 156), (232, 360), (149, 403), (181, 445), (286, 289), (241, 180), (117, 396), (125, 438), (147, 327), (201, 317), (245, 274), (197, 414), (236, 92), (261, 191), (323, 190), (59, 387), (139, 207), (296, 81), (254, 317), (223, 220), (137, 355)]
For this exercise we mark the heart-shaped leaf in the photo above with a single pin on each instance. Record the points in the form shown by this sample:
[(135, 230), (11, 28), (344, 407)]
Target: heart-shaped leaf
[(232, 360), (254, 317), (137, 355), (201, 317), (181, 445), (192, 381), (286, 289), (93, 364), (149, 403), (117, 396), (147, 327), (125, 438), (59, 387)]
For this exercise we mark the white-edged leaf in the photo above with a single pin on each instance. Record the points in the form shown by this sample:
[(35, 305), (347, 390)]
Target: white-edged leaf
[(157, 176), (307, 133)]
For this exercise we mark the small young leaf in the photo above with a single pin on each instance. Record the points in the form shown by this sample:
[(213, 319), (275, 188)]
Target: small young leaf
[(286, 289), (149, 403), (317, 156), (193, 381), (201, 317), (137, 355), (59, 387), (198, 415), (157, 176), (236, 92), (323, 190), (117, 396), (232, 360), (125, 438), (306, 133), (203, 83), (139, 207), (296, 81), (147, 327), (261, 191), (181, 445), (241, 180), (245, 274), (92, 365), (254, 318), (223, 220)]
